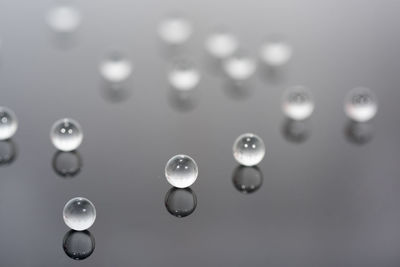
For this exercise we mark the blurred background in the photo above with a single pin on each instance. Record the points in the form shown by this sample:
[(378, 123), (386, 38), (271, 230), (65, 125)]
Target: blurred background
[(326, 193)]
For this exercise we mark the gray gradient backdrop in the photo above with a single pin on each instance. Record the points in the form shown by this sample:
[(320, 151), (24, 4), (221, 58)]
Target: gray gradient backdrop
[(323, 202)]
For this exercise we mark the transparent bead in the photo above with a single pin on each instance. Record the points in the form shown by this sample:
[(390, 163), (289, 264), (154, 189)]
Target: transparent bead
[(184, 76), (8, 123), (298, 103), (116, 68), (181, 171), (247, 179), (248, 149), (175, 30), (66, 134), (64, 18), (221, 44), (239, 67), (180, 202), (79, 214), (361, 104), (276, 52), (78, 245)]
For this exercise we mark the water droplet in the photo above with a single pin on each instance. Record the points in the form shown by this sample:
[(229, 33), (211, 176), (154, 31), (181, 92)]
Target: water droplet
[(8, 123), (64, 18), (78, 245), (67, 164), (8, 152), (221, 44), (116, 68), (361, 104), (298, 103), (180, 202), (247, 179), (276, 52), (66, 134), (79, 214), (175, 30), (239, 67), (184, 76), (248, 149), (181, 171)]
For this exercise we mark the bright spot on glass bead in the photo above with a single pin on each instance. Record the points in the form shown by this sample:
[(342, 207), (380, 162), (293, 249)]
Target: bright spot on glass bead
[(248, 149), (361, 104), (181, 171), (64, 18), (276, 53), (116, 68), (175, 30), (221, 44), (8, 123), (184, 76), (298, 103), (79, 214), (239, 67), (66, 134)]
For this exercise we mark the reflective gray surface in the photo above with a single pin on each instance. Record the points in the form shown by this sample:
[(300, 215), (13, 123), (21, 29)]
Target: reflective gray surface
[(323, 202)]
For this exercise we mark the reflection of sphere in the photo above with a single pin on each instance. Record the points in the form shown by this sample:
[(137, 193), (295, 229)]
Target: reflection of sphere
[(175, 30), (180, 202), (297, 103), (79, 214), (66, 134), (181, 171), (67, 164), (295, 131), (8, 152), (359, 132), (248, 149), (78, 245), (8, 123), (361, 104), (247, 179)]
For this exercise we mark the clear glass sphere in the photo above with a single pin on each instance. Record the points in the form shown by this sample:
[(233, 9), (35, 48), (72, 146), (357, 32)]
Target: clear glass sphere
[(276, 52), (116, 68), (248, 149), (64, 18), (239, 67), (221, 44), (184, 76), (78, 245), (297, 103), (66, 134), (180, 202), (361, 104), (181, 171), (8, 123), (79, 214), (247, 179), (175, 30)]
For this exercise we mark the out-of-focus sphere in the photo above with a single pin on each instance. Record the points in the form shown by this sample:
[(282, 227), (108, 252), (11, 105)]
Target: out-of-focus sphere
[(8, 123), (116, 68), (239, 68), (175, 30), (361, 104), (297, 103), (221, 44), (66, 134), (79, 214), (248, 149), (64, 18), (181, 171), (184, 76), (276, 53)]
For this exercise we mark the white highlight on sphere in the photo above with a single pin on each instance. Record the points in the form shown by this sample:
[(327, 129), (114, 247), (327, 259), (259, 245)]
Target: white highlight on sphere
[(181, 171), (248, 149), (66, 134), (298, 103), (116, 68), (239, 67), (184, 76), (64, 18), (361, 104), (276, 52), (8, 123), (175, 30), (79, 214), (221, 44)]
